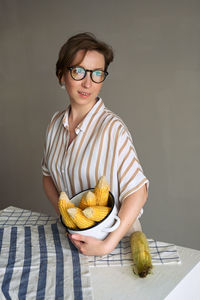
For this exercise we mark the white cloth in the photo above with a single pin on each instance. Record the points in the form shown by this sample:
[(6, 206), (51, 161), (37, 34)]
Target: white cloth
[(15, 216), (38, 262), (161, 253)]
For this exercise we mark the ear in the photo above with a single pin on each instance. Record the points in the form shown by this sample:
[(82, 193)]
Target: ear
[(62, 80)]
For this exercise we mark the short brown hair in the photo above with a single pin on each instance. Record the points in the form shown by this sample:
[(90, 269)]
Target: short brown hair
[(82, 41)]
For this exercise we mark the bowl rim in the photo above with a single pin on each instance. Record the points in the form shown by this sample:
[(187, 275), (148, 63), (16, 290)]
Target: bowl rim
[(85, 229)]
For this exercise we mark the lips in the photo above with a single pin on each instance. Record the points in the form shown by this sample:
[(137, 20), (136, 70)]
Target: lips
[(84, 94)]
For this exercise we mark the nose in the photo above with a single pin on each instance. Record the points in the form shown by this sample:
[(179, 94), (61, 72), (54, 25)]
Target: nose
[(87, 82)]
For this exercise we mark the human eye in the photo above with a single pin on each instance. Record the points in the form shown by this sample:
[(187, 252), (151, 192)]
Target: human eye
[(78, 72), (98, 73)]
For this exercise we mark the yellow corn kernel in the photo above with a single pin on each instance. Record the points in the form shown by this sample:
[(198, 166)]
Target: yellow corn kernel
[(79, 219), (141, 256), (63, 196), (101, 191), (88, 199), (96, 213), (63, 206)]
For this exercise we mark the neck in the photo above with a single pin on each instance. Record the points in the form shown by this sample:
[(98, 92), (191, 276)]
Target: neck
[(78, 113)]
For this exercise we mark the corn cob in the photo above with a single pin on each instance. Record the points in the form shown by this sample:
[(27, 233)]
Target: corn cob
[(63, 196), (88, 199), (63, 206), (96, 213), (79, 219), (141, 256), (101, 191)]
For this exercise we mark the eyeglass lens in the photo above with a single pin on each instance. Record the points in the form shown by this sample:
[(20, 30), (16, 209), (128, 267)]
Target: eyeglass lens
[(79, 73)]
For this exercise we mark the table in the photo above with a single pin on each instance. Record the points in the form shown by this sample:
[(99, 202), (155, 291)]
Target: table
[(169, 282)]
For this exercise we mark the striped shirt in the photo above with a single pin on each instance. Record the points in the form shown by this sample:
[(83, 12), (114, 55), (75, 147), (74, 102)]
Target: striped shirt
[(103, 146)]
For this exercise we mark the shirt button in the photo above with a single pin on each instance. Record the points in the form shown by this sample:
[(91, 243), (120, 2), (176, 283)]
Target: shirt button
[(77, 130)]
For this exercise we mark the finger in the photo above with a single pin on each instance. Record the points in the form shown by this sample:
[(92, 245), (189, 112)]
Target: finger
[(78, 237), (77, 244), (77, 241)]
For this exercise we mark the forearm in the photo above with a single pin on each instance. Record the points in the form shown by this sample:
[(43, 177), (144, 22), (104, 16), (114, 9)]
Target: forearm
[(51, 192), (128, 213)]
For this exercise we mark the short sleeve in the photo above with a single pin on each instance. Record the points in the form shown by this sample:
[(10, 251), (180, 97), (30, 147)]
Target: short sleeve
[(130, 173), (44, 164), (45, 170)]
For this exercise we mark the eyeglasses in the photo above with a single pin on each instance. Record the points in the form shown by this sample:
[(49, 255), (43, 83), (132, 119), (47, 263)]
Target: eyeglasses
[(78, 73)]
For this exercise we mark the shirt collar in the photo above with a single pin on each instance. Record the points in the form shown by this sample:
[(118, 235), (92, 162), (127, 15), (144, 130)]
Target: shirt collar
[(94, 112), (65, 118)]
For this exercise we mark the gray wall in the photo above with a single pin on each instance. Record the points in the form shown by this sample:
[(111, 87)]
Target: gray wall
[(153, 85)]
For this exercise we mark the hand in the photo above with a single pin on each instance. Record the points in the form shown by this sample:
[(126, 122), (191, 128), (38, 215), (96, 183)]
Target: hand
[(88, 245)]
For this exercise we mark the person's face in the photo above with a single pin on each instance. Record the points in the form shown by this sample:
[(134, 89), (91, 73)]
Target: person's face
[(85, 91)]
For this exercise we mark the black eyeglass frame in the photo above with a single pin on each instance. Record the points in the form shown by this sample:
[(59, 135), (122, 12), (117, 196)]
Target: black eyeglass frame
[(86, 70)]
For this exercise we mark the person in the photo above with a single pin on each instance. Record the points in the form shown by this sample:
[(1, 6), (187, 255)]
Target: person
[(87, 141)]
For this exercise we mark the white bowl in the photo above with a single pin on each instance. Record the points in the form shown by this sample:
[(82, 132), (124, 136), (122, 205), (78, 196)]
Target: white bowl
[(102, 228)]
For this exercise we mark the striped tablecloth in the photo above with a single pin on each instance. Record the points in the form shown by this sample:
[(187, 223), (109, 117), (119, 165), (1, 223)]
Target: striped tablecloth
[(37, 261)]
